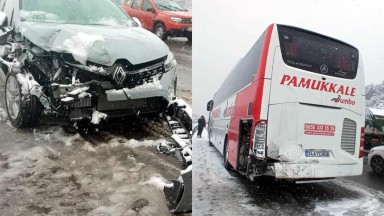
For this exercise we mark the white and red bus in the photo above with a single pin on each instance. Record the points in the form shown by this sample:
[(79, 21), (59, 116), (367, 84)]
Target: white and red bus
[(292, 108)]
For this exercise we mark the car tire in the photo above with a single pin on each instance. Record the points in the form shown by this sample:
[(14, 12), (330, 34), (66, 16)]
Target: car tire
[(227, 165), (160, 31), (377, 165), (23, 109)]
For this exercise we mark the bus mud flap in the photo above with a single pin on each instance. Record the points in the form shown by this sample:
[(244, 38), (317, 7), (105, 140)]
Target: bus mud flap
[(179, 196)]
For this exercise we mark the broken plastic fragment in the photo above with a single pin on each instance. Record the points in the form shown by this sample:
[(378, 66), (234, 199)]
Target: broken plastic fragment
[(97, 117)]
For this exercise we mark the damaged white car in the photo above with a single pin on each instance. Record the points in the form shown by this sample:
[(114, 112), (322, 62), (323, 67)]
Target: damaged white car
[(80, 62)]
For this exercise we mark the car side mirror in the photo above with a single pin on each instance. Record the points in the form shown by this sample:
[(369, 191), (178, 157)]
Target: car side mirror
[(210, 105), (151, 10), (137, 21)]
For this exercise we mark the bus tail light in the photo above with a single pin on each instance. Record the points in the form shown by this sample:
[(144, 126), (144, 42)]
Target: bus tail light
[(260, 139), (361, 149)]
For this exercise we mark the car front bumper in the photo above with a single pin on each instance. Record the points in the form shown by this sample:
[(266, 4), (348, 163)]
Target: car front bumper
[(180, 32)]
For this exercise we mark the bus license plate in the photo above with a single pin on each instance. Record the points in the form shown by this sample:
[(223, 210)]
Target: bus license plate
[(316, 153)]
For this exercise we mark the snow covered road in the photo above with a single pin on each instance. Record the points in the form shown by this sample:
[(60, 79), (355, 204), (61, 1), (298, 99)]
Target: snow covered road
[(219, 192), (51, 172)]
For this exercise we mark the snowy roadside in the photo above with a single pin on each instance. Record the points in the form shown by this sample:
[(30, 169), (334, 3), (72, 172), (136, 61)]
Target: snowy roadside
[(65, 175), (219, 192)]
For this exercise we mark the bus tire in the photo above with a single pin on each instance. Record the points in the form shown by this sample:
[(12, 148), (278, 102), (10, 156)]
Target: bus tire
[(227, 165), (377, 165)]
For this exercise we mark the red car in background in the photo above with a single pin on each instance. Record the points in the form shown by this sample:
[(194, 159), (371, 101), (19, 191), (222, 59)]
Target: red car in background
[(162, 17)]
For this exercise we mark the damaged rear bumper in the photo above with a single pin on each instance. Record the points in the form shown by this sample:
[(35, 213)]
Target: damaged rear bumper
[(314, 171)]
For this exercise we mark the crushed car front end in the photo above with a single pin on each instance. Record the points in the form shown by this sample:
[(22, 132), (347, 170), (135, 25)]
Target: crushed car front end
[(87, 70)]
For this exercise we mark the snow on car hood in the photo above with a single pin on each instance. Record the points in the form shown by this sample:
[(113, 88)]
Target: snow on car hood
[(99, 44)]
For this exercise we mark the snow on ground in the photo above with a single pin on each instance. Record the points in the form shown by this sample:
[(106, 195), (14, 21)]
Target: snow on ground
[(370, 202), (217, 191), (66, 175), (3, 114)]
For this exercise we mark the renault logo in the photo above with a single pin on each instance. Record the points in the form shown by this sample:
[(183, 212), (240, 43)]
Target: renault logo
[(323, 68), (119, 75)]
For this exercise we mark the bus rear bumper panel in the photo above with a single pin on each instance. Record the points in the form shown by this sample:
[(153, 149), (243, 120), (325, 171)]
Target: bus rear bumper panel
[(305, 171)]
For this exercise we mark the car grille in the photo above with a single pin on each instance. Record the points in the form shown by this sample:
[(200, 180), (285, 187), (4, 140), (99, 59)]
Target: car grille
[(126, 78), (186, 20), (348, 136), (85, 102)]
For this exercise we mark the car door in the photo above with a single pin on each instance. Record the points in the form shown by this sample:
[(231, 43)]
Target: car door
[(133, 8), (147, 15)]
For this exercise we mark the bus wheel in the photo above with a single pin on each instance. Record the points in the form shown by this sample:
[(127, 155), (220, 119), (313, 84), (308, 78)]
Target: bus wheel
[(377, 164), (227, 165)]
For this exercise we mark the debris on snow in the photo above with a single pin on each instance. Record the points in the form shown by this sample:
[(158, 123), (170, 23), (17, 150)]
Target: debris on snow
[(181, 103), (98, 116)]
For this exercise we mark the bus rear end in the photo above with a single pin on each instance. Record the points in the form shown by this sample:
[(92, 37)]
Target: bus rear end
[(315, 121)]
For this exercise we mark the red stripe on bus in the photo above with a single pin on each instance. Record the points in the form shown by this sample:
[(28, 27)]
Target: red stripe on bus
[(244, 97), (260, 75)]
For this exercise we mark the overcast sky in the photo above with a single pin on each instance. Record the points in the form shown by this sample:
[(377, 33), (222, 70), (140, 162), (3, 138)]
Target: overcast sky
[(223, 31)]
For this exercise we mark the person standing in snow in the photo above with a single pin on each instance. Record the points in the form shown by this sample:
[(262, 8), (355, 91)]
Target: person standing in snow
[(201, 124)]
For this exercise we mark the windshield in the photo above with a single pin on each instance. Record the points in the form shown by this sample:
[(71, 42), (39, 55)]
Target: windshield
[(85, 12), (318, 54), (168, 6)]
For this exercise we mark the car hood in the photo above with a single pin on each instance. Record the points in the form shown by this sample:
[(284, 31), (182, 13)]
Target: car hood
[(182, 14), (99, 44)]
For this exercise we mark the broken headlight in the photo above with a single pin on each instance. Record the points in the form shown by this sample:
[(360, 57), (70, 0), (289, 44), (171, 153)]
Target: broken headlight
[(170, 62)]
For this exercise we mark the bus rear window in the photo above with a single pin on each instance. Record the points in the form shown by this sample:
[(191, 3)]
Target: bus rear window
[(316, 53)]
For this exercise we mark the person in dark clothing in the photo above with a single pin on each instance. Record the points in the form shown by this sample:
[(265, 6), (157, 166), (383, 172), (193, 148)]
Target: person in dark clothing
[(201, 124)]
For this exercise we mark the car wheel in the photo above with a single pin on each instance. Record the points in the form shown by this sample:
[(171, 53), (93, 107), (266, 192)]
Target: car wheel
[(23, 108), (227, 165), (160, 31), (377, 165)]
